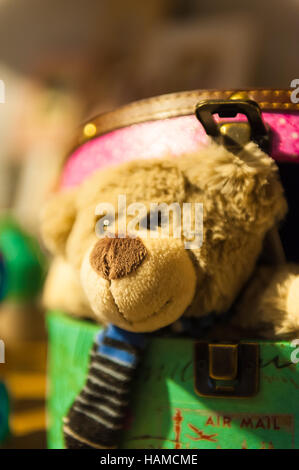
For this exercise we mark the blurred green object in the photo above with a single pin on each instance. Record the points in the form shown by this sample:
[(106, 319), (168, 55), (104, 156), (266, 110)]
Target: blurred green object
[(22, 264), (4, 412), (166, 412)]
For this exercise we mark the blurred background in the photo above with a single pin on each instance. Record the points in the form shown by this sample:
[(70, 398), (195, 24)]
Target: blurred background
[(63, 61)]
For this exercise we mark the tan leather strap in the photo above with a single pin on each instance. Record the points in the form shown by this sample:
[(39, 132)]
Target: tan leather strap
[(176, 104)]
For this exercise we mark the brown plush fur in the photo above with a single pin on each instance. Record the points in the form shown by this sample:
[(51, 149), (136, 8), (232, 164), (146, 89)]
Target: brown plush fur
[(242, 199), (271, 303)]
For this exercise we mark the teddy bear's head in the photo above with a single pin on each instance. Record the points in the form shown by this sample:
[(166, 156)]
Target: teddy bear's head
[(145, 282)]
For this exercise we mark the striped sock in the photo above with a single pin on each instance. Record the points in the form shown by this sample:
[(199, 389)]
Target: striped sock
[(97, 415)]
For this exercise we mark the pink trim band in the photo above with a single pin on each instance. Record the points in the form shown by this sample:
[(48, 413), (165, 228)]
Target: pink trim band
[(173, 136)]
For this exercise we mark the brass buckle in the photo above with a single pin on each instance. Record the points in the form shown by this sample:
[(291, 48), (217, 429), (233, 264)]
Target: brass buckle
[(226, 370), (234, 135)]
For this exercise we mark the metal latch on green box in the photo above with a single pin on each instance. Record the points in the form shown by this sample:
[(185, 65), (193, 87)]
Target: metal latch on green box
[(226, 370)]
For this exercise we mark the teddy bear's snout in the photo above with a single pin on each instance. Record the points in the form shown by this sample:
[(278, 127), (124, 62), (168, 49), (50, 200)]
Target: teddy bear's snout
[(114, 258)]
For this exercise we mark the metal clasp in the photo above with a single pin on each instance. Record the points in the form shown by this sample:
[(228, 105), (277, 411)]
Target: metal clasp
[(226, 370), (234, 134)]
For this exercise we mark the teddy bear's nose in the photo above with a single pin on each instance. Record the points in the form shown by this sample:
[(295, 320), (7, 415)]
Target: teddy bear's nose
[(113, 258)]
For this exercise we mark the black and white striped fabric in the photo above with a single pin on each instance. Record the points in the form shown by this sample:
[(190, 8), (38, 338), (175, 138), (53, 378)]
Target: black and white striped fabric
[(97, 416)]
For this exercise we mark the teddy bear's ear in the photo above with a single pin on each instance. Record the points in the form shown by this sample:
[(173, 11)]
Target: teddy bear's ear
[(248, 182), (214, 168), (57, 219)]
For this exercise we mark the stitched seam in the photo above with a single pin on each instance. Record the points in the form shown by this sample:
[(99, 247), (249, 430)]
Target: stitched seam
[(194, 94), (188, 109), (208, 92)]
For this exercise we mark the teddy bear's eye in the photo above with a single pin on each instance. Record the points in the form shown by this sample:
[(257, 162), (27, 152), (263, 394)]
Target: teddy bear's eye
[(152, 221)]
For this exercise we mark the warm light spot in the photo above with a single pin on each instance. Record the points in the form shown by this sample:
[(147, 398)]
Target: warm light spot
[(90, 129), (28, 421)]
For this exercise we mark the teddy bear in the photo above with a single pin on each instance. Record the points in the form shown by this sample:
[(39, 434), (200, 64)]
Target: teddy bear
[(140, 285)]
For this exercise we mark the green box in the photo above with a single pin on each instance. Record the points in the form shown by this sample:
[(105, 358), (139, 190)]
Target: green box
[(166, 413)]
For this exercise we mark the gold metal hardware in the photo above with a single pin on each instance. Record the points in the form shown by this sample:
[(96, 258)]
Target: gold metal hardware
[(239, 95), (226, 370), (223, 361), (234, 134)]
